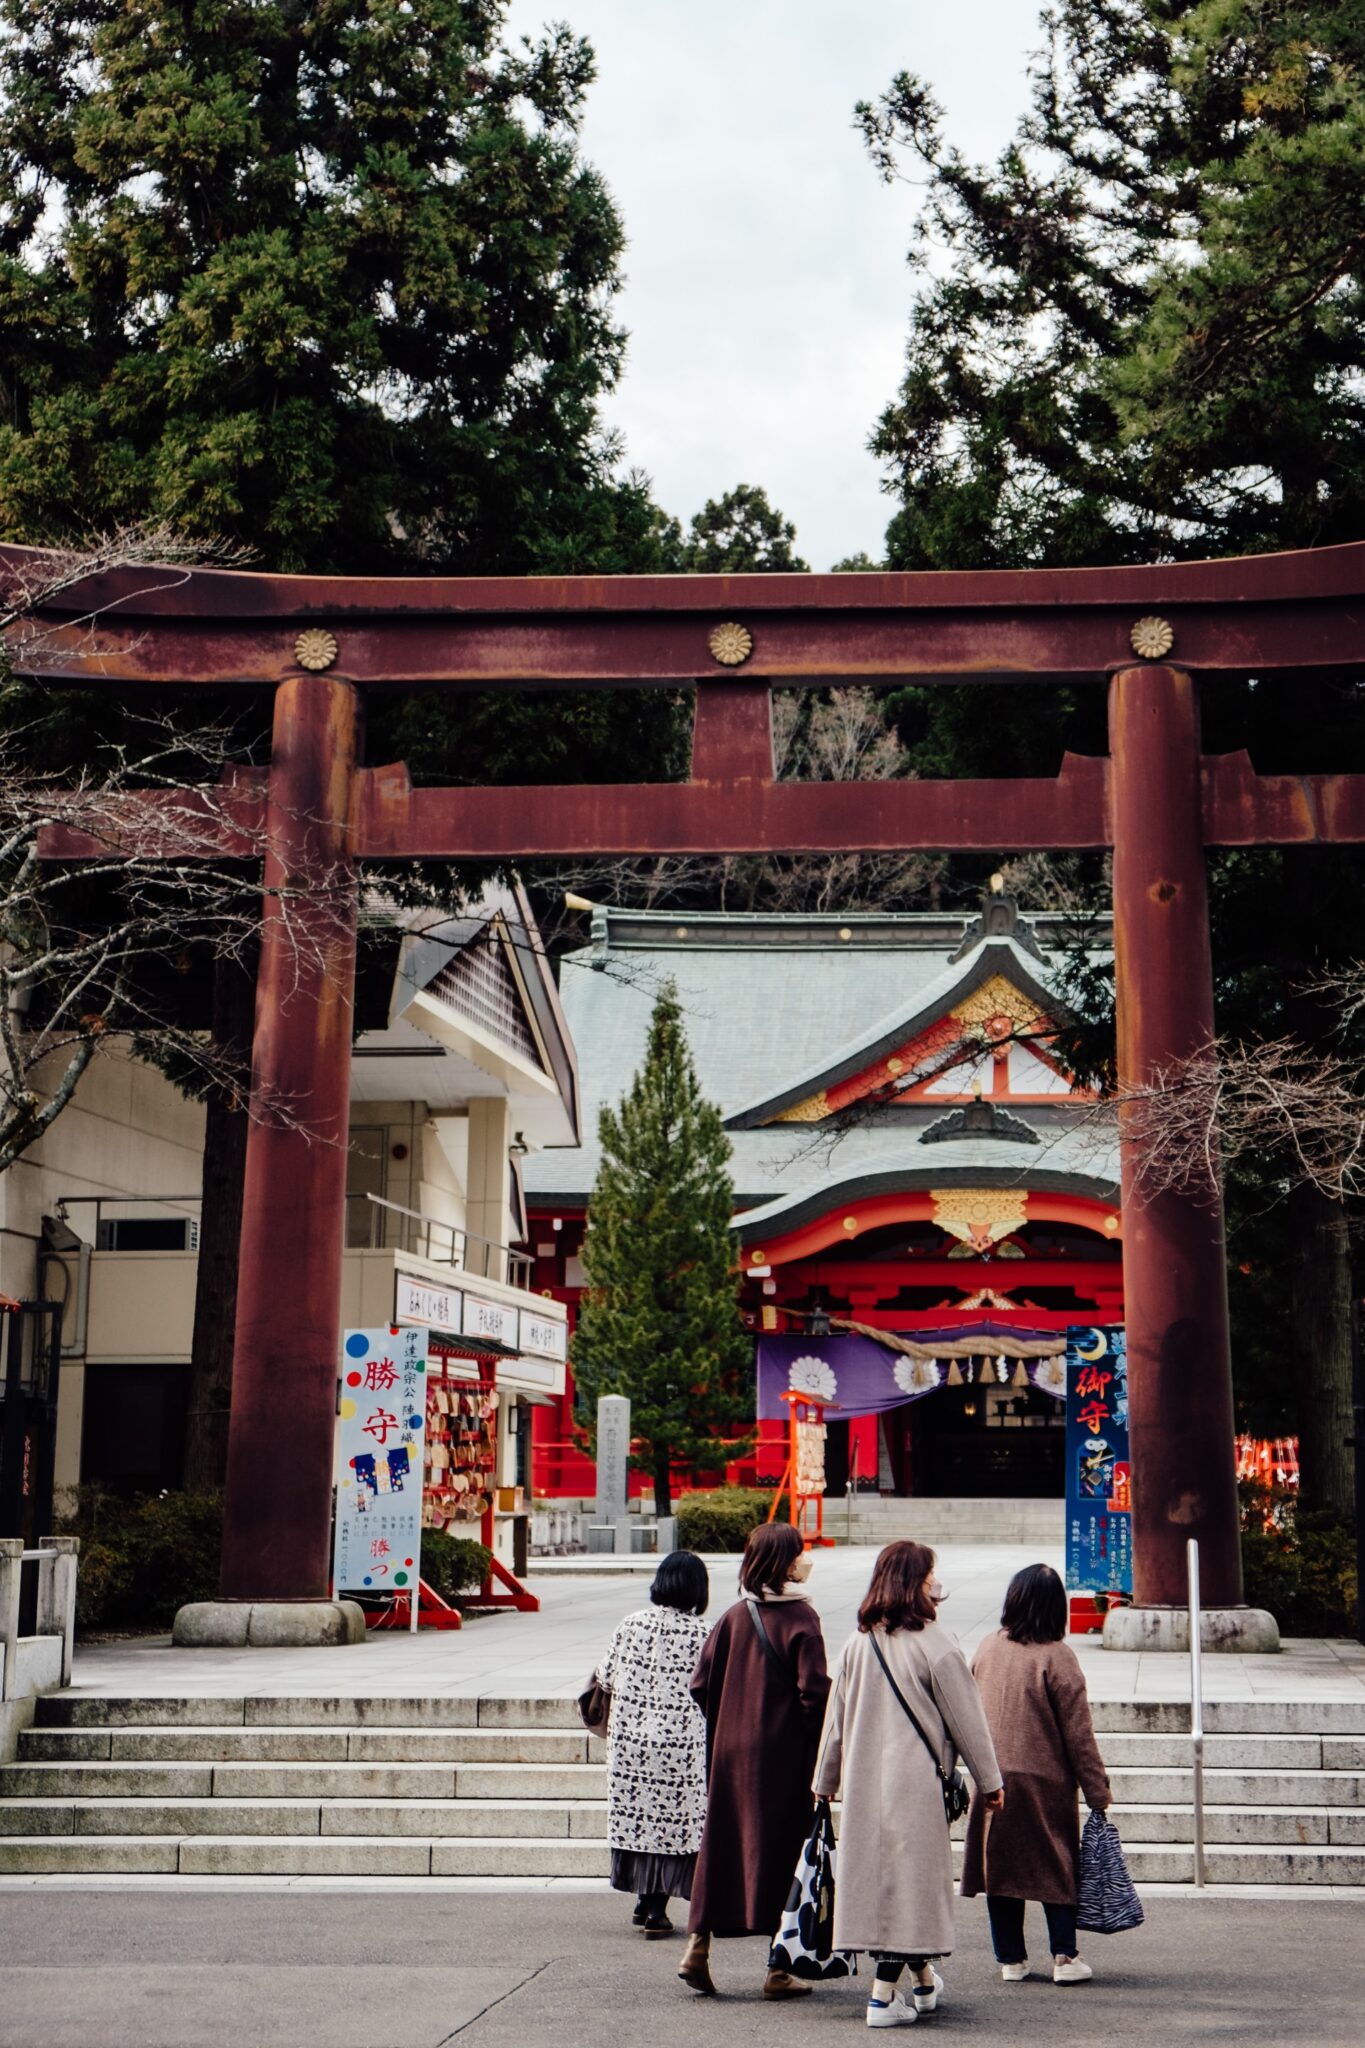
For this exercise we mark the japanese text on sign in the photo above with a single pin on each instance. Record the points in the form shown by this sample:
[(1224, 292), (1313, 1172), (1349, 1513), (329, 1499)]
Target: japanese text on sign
[(379, 1460), (1099, 1520)]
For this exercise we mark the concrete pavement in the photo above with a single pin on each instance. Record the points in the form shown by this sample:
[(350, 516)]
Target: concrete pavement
[(247, 1970), (553, 1652)]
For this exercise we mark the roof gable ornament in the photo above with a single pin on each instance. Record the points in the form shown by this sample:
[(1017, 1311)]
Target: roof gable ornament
[(998, 919), (980, 1119)]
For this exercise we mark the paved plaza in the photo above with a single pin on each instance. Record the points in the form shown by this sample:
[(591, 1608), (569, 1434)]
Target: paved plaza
[(552, 1653), (497, 1971)]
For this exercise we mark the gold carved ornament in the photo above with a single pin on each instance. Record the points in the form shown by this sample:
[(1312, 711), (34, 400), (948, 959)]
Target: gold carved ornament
[(980, 1217), (730, 643), (998, 999), (813, 1110), (316, 649), (1152, 637)]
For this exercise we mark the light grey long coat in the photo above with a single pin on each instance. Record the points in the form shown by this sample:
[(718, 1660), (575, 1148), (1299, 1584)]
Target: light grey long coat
[(894, 1889)]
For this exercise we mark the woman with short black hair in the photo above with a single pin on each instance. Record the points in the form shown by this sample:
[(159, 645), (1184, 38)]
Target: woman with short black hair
[(1035, 1699), (656, 1759), (761, 1682)]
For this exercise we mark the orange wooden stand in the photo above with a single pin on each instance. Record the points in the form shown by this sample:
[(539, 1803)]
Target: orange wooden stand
[(802, 1408)]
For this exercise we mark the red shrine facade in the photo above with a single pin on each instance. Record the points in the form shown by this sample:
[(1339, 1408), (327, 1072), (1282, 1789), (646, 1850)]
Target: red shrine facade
[(909, 1156)]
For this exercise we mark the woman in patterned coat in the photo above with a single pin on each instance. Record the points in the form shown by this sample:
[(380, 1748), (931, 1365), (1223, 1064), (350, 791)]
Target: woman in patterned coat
[(656, 1765)]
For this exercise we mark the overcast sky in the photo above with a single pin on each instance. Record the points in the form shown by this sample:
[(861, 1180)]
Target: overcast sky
[(766, 289)]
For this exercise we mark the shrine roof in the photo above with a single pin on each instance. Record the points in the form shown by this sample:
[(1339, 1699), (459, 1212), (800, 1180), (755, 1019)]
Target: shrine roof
[(768, 999)]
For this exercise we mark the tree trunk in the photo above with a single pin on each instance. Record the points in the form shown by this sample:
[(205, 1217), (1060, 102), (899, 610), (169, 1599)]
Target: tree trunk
[(1320, 1296), (663, 1483), (220, 1224)]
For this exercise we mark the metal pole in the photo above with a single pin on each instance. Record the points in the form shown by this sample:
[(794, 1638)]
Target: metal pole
[(1358, 1446), (1196, 1706)]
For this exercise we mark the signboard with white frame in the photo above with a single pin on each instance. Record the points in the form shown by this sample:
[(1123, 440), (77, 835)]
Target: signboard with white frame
[(426, 1301), (380, 1433), (494, 1321), (542, 1336)]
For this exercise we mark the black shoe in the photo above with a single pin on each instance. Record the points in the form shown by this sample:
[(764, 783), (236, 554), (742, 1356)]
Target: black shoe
[(641, 1913), (657, 1926)]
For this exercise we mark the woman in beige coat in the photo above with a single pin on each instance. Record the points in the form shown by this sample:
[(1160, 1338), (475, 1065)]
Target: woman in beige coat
[(894, 1896), (1034, 1696)]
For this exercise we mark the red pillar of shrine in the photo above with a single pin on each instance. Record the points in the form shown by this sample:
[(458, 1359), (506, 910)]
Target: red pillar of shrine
[(277, 1517), (1175, 1279)]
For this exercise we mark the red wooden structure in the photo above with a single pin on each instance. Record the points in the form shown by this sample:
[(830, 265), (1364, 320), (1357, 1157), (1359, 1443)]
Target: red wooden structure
[(806, 1506), (322, 643)]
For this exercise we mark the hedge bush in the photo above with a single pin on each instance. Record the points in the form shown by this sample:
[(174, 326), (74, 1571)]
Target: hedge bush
[(1299, 1564), (721, 1519), (141, 1558), (453, 1564)]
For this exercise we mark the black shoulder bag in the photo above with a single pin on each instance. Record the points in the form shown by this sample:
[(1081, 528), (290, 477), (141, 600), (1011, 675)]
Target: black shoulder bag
[(952, 1784), (761, 1627)]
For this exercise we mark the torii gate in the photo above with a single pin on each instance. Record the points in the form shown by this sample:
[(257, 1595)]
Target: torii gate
[(324, 642)]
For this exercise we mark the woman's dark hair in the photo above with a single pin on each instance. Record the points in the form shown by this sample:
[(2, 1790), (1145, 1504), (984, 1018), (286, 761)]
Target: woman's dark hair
[(898, 1596), (681, 1581), (769, 1554), (1035, 1606)]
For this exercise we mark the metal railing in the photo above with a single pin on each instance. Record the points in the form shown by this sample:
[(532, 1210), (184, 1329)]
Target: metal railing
[(443, 1244), (55, 1558), (1196, 1704)]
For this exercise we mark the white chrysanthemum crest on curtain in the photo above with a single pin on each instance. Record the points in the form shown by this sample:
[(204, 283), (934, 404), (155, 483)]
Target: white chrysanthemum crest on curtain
[(811, 1375)]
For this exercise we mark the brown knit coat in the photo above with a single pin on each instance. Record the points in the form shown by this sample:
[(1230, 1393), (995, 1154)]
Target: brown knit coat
[(1039, 1715), (762, 1729)]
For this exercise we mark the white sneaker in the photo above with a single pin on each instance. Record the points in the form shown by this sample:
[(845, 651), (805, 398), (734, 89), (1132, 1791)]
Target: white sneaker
[(896, 2014), (927, 1996), (1070, 1970), (1014, 1973)]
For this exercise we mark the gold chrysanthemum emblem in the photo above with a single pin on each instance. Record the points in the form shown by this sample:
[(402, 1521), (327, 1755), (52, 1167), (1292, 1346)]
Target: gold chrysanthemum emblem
[(731, 644), (1152, 637), (315, 649)]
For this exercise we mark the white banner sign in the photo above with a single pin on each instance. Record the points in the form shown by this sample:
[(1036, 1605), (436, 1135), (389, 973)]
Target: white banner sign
[(496, 1321), (379, 1461), (425, 1301), (542, 1337)]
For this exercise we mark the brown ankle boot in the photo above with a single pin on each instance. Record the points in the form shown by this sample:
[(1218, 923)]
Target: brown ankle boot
[(695, 1967), (781, 1984)]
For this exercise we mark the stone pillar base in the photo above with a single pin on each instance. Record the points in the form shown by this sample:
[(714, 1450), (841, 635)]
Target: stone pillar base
[(268, 1624), (1245, 1631)]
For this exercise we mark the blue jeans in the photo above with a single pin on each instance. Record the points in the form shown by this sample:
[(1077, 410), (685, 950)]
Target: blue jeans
[(1007, 1929)]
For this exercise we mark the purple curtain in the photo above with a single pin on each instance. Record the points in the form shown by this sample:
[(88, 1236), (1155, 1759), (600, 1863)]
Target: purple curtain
[(861, 1377)]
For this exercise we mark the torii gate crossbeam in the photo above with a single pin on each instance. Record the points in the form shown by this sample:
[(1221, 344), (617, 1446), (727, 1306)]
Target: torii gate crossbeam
[(322, 643)]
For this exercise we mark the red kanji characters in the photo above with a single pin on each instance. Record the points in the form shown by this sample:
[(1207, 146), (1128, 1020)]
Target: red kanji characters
[(380, 1424), (380, 1375)]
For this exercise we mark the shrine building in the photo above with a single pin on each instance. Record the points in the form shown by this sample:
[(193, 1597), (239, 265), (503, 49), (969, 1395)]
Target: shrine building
[(909, 1157)]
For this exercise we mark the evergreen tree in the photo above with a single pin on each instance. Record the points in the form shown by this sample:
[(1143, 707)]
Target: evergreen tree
[(1147, 340), (739, 531), (659, 1320)]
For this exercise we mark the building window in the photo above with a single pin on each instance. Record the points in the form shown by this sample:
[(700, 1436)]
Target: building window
[(133, 1427)]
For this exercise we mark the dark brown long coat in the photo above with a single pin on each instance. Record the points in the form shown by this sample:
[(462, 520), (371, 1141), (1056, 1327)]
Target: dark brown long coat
[(762, 1730), (1039, 1715)]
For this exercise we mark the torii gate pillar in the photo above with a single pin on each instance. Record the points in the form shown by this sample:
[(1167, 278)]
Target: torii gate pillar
[(277, 1509), (1175, 1275)]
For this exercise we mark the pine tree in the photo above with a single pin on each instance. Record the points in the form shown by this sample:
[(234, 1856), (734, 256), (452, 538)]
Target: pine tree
[(660, 1314)]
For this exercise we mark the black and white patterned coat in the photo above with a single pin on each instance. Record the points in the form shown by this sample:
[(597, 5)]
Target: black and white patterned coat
[(656, 1770)]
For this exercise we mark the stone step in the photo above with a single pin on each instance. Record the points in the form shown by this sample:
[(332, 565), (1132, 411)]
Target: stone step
[(455, 1856), (96, 1710), (1338, 1717), (166, 1744), (1249, 1826), (303, 1781), (580, 1818), (1137, 1787)]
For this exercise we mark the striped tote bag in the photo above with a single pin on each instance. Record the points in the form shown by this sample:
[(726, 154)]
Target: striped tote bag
[(1106, 1898)]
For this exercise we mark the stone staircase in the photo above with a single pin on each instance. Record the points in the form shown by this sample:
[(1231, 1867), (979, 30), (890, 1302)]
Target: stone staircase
[(871, 1518), (442, 1787)]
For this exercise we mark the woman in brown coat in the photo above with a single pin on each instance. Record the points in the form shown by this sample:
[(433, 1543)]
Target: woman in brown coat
[(903, 1709), (1035, 1700), (761, 1682)]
